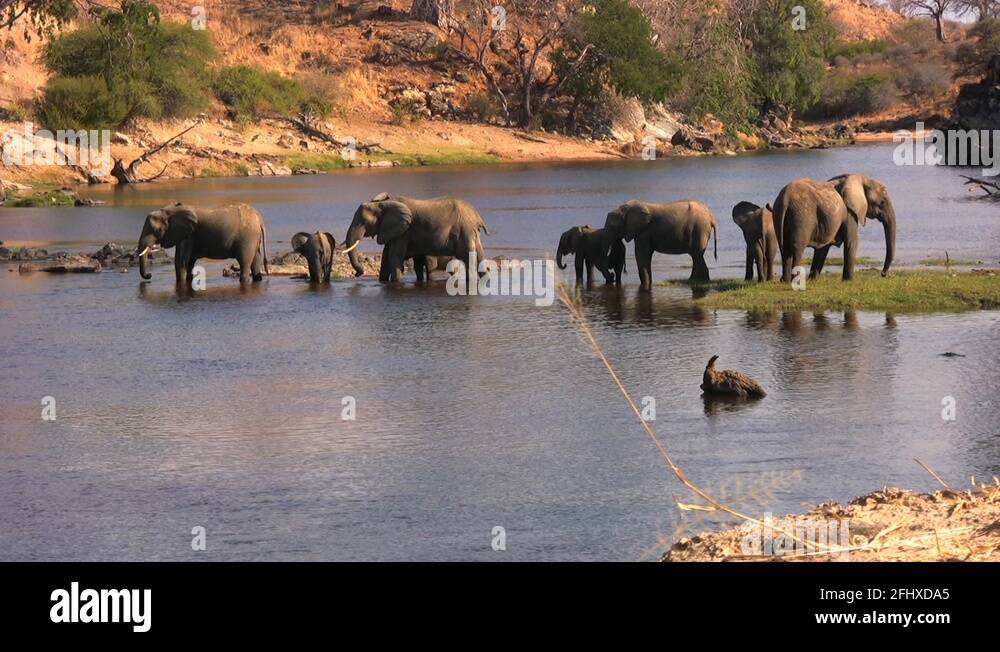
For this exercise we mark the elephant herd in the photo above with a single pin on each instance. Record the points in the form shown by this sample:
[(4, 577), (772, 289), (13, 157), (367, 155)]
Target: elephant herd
[(806, 213)]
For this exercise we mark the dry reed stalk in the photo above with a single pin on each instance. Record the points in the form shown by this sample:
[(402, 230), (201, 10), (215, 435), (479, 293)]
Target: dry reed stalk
[(575, 308)]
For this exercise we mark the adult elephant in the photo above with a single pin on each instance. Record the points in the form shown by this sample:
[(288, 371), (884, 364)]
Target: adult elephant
[(317, 248), (409, 228), (233, 231), (757, 224), (815, 214), (592, 248), (680, 227)]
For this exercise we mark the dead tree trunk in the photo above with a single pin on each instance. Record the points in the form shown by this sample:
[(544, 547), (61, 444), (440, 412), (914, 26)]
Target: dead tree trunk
[(129, 173), (435, 12)]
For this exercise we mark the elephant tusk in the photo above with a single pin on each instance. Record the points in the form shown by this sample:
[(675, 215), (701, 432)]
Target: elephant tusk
[(143, 252), (351, 248)]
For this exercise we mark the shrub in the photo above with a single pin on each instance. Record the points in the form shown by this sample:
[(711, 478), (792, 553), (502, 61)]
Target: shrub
[(18, 111), (480, 106), (918, 80), (251, 93), (82, 103), (855, 49), (848, 95), (130, 63)]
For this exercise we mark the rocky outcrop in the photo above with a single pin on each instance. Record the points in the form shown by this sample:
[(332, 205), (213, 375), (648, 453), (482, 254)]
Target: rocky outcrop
[(978, 104)]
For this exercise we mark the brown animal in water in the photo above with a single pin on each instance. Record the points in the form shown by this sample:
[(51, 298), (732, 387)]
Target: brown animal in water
[(729, 382)]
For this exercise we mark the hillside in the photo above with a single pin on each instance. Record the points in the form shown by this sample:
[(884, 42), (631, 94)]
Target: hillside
[(377, 64)]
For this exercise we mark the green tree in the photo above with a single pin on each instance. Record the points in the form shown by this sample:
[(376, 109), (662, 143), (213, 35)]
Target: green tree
[(130, 61), (39, 14), (611, 43), (789, 42)]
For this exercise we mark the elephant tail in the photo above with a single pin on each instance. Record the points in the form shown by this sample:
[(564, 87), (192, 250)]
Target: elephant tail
[(263, 247), (482, 226), (715, 241)]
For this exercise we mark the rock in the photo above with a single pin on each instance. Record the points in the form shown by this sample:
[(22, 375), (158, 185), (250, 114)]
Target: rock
[(30, 253), (68, 264), (305, 171), (6, 254), (287, 140), (691, 138)]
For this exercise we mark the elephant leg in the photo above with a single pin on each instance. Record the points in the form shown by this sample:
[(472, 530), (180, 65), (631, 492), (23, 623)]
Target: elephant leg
[(256, 268), (748, 275), (759, 260), (420, 267), (643, 262), (768, 263), (850, 249), (392, 261), (590, 273), (183, 262), (699, 268), (578, 263), (819, 259)]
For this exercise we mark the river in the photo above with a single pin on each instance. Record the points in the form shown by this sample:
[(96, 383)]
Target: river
[(223, 410)]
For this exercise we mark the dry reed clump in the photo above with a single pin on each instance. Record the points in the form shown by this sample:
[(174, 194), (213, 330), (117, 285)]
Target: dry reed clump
[(887, 525)]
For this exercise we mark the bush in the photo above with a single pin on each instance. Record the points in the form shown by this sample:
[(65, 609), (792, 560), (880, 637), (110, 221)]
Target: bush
[(480, 106), (18, 111), (920, 80), (131, 64), (849, 95), (251, 93), (82, 103), (855, 49)]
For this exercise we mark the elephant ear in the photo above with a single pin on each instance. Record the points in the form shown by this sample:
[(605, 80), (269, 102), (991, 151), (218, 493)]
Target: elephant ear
[(181, 224), (743, 212), (852, 189), (395, 220), (330, 239), (299, 240), (637, 218), (575, 238), (382, 196)]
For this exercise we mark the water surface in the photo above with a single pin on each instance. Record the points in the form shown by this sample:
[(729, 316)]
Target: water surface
[(223, 409)]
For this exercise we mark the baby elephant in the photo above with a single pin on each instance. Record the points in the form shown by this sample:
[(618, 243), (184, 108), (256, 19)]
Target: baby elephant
[(317, 248), (762, 242), (593, 248)]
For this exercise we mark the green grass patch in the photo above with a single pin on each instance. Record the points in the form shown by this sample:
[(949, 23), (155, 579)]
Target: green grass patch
[(837, 260), (440, 156), (903, 291), (39, 199), (944, 262), (321, 162)]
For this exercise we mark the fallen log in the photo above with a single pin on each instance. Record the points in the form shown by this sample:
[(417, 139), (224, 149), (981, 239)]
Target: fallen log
[(129, 173)]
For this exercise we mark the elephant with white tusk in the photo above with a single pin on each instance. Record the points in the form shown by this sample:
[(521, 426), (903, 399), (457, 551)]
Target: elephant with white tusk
[(815, 214), (234, 231), (415, 228), (762, 244), (317, 248)]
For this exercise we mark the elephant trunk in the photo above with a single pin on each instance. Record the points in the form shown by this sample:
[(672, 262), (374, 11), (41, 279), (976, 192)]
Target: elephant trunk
[(559, 262), (889, 222), (354, 235), (145, 243)]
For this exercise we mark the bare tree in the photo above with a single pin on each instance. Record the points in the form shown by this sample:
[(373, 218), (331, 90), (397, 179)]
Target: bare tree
[(981, 9), (435, 12), (935, 9), (506, 41)]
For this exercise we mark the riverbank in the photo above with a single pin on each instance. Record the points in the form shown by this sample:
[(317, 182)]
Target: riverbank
[(887, 525), (902, 291)]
